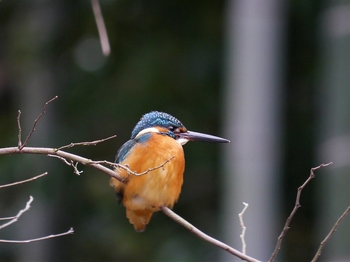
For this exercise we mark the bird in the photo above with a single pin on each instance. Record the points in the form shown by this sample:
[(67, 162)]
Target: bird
[(153, 164)]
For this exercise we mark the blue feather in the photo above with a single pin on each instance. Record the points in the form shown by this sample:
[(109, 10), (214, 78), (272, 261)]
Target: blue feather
[(124, 150), (128, 146)]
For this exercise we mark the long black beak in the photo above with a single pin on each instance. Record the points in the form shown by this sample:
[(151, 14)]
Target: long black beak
[(195, 136)]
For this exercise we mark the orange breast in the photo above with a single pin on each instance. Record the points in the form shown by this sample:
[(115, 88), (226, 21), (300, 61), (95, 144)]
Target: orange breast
[(160, 187)]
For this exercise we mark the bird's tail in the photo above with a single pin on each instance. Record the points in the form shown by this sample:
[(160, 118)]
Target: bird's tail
[(139, 218)]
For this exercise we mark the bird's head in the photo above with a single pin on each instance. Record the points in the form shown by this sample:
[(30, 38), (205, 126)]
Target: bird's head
[(166, 124)]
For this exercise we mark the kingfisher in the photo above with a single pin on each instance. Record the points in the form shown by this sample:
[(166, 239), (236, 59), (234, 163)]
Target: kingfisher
[(156, 158)]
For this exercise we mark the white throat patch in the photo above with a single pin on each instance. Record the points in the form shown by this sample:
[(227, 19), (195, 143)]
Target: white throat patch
[(182, 141)]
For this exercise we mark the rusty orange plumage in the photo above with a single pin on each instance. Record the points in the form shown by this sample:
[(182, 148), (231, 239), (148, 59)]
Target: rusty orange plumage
[(155, 145)]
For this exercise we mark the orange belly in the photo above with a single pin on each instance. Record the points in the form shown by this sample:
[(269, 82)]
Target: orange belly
[(144, 194)]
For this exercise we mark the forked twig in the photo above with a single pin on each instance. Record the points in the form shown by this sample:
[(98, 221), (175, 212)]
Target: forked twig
[(296, 207), (71, 164), (73, 158), (334, 228), (70, 231), (24, 181), (35, 123), (15, 218)]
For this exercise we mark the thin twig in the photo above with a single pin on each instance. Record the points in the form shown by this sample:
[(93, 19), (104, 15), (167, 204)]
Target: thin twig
[(127, 168), (35, 123), (24, 181), (240, 215), (93, 143), (106, 49), (334, 228), (19, 143), (71, 164), (150, 169), (296, 207), (70, 231), (6, 218), (204, 236), (109, 163), (15, 218), (61, 158)]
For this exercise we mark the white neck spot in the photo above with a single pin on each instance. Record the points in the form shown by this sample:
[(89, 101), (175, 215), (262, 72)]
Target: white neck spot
[(147, 130)]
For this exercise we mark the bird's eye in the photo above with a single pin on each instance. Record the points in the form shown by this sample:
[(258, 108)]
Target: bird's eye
[(174, 129)]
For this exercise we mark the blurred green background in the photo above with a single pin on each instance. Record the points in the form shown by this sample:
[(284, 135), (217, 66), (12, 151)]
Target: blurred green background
[(167, 56)]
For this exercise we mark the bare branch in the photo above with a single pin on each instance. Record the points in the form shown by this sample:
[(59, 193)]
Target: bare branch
[(296, 207), (93, 143), (63, 154), (334, 228), (19, 143), (24, 181), (15, 218), (70, 231), (106, 49), (204, 236), (35, 123), (240, 215)]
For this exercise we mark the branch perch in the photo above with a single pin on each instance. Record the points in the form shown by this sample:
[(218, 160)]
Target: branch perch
[(64, 156), (204, 236)]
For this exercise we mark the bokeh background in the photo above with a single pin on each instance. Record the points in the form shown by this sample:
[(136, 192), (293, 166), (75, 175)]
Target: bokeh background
[(271, 76)]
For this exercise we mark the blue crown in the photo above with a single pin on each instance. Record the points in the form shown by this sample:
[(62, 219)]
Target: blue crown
[(156, 118)]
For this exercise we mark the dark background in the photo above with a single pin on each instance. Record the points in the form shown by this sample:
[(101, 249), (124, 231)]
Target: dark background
[(167, 56)]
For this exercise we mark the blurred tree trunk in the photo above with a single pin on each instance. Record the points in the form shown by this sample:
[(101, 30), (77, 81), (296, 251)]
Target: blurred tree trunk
[(253, 111), (334, 130), (36, 22)]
